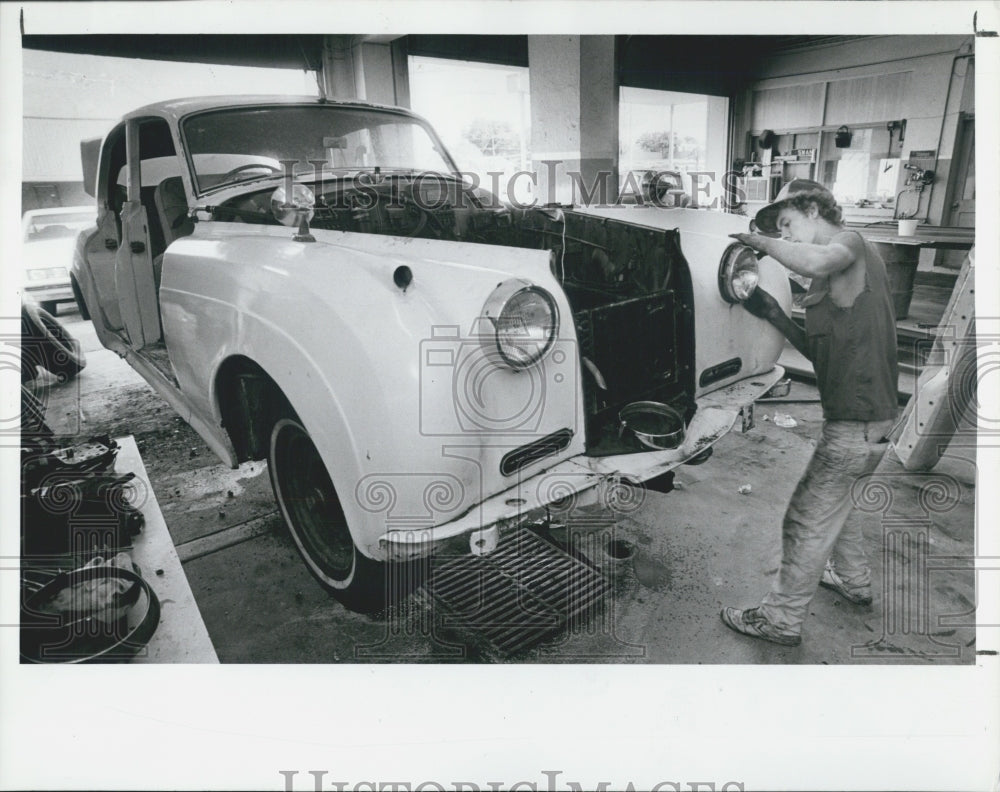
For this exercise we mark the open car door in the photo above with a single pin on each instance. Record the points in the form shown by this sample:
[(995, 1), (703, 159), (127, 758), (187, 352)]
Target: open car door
[(134, 280)]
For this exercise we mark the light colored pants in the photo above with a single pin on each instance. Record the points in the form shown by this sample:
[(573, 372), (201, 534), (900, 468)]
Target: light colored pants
[(813, 530)]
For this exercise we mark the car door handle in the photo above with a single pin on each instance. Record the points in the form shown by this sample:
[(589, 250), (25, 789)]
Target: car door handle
[(111, 244), (137, 247)]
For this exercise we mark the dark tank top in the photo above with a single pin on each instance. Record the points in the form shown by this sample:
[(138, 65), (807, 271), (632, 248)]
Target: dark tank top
[(853, 349)]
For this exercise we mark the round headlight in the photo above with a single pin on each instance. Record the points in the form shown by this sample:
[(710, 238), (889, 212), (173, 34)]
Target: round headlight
[(525, 320), (738, 273), (289, 210)]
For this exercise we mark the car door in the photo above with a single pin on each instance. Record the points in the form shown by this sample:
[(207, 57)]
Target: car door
[(135, 284), (101, 248)]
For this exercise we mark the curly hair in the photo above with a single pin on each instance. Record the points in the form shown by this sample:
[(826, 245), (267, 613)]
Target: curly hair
[(825, 203)]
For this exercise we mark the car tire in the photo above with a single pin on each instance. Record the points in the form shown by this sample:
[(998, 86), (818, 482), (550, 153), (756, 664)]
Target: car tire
[(46, 344), (33, 425), (312, 511), (51, 307)]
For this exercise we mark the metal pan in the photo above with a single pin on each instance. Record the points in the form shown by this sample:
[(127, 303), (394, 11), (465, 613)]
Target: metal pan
[(654, 424)]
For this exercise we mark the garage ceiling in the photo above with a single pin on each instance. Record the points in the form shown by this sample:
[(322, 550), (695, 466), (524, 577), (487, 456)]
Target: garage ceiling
[(277, 51), (715, 65)]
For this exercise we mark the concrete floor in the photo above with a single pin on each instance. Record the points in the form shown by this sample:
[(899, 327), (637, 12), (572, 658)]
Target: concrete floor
[(696, 549)]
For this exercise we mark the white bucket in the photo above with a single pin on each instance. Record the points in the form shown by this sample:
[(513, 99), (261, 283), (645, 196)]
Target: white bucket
[(907, 227)]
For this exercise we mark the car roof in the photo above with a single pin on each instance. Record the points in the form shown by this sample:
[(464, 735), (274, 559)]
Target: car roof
[(178, 108)]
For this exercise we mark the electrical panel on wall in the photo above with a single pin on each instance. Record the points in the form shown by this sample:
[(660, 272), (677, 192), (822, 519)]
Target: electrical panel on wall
[(922, 160)]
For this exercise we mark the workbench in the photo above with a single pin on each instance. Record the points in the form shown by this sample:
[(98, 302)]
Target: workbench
[(181, 636)]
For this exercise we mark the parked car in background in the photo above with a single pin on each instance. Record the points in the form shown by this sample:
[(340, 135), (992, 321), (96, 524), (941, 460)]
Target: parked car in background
[(421, 366), (48, 237)]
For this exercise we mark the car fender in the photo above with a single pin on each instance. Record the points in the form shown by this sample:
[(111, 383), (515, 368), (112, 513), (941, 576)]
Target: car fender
[(304, 312)]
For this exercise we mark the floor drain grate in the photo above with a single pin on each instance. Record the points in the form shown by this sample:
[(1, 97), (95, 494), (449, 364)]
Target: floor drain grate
[(525, 591)]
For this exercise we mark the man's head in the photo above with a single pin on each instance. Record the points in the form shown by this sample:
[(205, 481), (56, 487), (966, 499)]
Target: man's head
[(801, 204)]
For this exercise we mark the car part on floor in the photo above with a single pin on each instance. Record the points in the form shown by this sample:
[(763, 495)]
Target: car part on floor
[(78, 515), (97, 613), (46, 344)]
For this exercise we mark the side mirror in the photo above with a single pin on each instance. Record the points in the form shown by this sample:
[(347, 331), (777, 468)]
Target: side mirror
[(90, 153)]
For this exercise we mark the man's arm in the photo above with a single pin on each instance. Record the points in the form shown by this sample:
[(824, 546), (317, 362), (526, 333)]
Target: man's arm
[(764, 306), (811, 261)]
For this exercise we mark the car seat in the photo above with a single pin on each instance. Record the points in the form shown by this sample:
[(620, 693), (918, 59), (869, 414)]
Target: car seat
[(172, 209)]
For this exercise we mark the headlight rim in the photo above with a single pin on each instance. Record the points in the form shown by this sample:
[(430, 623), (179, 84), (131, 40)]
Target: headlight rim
[(730, 256), (493, 309)]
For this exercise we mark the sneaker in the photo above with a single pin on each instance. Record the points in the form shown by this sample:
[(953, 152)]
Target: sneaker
[(859, 595), (751, 622)]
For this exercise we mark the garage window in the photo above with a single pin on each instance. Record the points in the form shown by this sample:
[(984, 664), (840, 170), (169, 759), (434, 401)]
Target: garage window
[(480, 110), (672, 131)]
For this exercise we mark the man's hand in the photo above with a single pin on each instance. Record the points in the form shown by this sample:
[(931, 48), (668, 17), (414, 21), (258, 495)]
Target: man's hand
[(755, 241), (764, 306)]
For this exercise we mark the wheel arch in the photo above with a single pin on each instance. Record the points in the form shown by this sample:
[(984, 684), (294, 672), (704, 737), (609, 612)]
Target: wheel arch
[(249, 401)]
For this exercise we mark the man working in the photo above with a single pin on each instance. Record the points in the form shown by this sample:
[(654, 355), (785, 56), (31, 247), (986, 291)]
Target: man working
[(850, 337)]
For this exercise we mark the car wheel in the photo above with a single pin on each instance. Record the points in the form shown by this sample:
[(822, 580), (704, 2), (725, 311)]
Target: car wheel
[(46, 344), (315, 518)]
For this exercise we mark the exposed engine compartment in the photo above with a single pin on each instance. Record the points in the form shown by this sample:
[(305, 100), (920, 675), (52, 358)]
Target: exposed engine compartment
[(629, 286)]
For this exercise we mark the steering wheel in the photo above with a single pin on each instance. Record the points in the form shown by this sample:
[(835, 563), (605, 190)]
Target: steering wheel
[(249, 166)]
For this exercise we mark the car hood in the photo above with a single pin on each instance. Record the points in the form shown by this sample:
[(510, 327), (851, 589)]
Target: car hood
[(688, 221), (376, 253)]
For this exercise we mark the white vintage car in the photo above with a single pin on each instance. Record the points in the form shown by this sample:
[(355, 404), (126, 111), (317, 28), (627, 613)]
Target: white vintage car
[(313, 283)]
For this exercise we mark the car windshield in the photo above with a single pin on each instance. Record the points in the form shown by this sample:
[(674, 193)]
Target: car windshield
[(250, 143), (64, 225)]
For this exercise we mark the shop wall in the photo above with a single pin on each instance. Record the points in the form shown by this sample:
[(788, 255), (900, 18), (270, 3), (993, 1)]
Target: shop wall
[(922, 79)]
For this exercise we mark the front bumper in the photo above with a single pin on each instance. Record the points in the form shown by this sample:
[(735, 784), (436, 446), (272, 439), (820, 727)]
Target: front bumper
[(48, 293), (585, 479)]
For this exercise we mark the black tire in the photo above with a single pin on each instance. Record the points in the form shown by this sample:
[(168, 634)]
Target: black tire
[(33, 417), (46, 344), (312, 511), (51, 307)]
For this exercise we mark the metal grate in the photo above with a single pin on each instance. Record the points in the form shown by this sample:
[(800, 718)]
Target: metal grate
[(525, 591)]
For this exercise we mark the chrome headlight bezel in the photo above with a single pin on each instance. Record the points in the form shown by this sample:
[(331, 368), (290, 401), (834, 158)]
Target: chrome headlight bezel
[(737, 261), (532, 342)]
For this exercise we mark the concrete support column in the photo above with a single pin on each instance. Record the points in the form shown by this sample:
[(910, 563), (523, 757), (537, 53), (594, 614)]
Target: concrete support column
[(365, 68), (574, 118)]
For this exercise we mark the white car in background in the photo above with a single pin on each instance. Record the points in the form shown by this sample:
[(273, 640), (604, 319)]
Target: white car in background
[(49, 237)]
